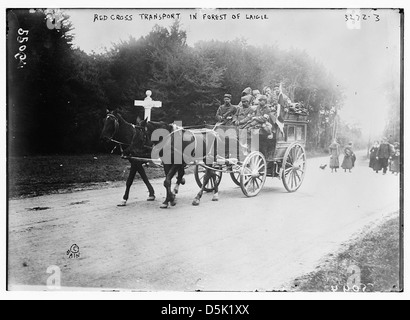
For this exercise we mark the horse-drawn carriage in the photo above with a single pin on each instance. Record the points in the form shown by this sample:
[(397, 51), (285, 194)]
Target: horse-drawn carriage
[(283, 158), (249, 164)]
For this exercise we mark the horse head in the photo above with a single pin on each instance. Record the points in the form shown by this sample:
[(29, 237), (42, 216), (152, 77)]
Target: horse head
[(110, 127)]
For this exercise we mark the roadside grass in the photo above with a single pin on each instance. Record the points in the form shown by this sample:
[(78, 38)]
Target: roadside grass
[(32, 176), (40, 175), (368, 263)]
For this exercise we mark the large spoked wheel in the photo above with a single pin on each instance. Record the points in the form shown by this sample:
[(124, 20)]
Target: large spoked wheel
[(235, 175), (200, 175), (253, 174), (294, 167)]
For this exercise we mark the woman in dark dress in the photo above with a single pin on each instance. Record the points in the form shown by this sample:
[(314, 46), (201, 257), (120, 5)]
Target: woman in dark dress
[(334, 155), (373, 155), (349, 157)]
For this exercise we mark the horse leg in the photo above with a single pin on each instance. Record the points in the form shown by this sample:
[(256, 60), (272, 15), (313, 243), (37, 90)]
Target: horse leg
[(167, 167), (144, 177), (216, 189), (170, 199), (198, 197), (130, 180), (180, 179)]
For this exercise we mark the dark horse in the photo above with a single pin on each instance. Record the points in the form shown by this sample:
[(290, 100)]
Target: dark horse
[(121, 132), (178, 147)]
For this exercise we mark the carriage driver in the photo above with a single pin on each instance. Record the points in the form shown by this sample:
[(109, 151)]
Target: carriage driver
[(226, 112)]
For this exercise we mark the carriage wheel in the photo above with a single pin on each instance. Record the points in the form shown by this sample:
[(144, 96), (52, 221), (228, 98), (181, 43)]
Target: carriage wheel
[(200, 175), (293, 167), (235, 176), (253, 174)]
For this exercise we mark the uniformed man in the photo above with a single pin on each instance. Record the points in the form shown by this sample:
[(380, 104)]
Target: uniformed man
[(262, 118), (244, 113), (226, 112), (384, 154)]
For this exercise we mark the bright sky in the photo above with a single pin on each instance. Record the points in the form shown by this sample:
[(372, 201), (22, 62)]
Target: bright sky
[(362, 59)]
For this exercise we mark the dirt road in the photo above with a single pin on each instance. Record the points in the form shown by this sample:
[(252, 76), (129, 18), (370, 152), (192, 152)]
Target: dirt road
[(236, 244)]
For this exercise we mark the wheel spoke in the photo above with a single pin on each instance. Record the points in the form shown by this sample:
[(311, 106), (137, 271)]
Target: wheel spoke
[(248, 170), (247, 180), (292, 154), (300, 158), (298, 176), (299, 153), (289, 178), (296, 158), (256, 182), (288, 170), (253, 185), (248, 185), (300, 169), (261, 167), (252, 162), (258, 163), (292, 179)]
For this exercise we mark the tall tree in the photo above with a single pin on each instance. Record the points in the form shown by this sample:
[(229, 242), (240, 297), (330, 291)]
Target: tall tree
[(39, 95)]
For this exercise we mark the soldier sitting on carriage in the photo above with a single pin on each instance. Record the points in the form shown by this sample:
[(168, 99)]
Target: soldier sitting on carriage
[(226, 112), (264, 118), (244, 113)]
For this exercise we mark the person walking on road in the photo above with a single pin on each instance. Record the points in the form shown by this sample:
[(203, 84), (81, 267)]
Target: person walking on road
[(334, 150), (384, 154), (374, 163), (395, 159), (349, 157)]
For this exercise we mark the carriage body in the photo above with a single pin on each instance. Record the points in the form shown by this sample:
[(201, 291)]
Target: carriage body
[(283, 158), (294, 130)]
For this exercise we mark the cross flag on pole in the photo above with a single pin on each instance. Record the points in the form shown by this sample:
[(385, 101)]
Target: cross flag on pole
[(281, 101)]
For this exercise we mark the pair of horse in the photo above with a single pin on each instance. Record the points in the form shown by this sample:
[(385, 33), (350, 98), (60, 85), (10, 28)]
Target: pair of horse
[(139, 145)]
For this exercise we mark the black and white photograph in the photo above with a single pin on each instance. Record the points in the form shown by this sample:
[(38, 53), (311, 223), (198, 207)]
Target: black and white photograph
[(205, 150)]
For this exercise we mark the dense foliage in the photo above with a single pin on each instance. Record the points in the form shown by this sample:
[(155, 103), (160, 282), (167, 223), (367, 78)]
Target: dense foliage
[(57, 101)]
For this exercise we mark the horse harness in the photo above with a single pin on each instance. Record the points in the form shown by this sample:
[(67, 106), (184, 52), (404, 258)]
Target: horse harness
[(116, 127)]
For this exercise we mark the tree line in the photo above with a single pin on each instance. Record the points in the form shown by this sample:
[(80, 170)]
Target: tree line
[(58, 98)]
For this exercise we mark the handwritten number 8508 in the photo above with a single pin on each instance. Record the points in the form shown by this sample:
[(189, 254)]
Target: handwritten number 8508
[(21, 55)]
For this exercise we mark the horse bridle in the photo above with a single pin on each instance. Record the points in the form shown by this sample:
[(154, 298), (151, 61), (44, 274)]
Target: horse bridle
[(116, 126)]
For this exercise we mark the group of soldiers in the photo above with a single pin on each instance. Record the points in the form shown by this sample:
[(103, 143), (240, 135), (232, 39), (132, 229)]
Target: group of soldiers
[(255, 110)]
